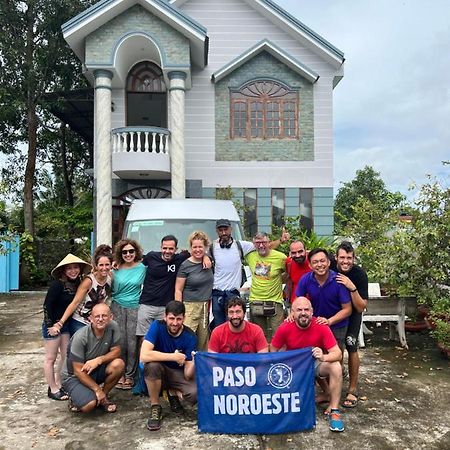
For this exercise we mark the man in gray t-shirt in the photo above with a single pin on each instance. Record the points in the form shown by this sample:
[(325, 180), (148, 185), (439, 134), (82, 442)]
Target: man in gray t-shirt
[(93, 359)]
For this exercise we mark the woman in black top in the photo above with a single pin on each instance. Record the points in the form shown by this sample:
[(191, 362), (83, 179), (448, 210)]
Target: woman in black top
[(60, 294)]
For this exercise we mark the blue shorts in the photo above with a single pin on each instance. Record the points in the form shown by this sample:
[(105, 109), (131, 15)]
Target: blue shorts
[(74, 325), (64, 330)]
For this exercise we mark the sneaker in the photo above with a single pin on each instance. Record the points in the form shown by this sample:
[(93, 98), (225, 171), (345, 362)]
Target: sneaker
[(335, 420), (154, 421), (175, 404)]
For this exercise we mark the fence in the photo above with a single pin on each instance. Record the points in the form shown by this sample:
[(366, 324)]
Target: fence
[(9, 264)]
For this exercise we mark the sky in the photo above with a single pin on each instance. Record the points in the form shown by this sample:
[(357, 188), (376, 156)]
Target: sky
[(392, 108)]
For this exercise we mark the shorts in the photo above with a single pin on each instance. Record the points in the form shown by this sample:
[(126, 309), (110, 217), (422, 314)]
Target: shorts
[(80, 394), (75, 325), (317, 365), (46, 336), (146, 315), (340, 334), (354, 325)]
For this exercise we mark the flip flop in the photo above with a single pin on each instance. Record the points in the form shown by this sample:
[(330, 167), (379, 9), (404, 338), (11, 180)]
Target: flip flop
[(350, 402)]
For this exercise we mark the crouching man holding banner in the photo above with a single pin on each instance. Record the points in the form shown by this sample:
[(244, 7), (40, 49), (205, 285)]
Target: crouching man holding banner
[(243, 389), (304, 331), (167, 354)]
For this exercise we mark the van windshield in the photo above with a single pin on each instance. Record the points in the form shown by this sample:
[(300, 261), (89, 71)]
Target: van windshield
[(150, 232)]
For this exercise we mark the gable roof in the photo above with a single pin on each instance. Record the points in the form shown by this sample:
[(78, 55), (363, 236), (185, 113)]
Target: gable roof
[(76, 29), (294, 27), (266, 45)]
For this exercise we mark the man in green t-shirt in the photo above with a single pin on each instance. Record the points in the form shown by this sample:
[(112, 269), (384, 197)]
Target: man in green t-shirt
[(266, 292)]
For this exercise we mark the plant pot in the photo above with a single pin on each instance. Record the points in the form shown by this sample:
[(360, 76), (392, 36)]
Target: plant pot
[(419, 325)]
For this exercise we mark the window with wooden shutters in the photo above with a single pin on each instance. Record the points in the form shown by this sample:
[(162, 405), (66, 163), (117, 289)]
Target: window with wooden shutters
[(264, 109)]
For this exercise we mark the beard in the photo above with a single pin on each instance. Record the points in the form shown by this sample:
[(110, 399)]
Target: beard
[(236, 323), (299, 259), (224, 240), (304, 321)]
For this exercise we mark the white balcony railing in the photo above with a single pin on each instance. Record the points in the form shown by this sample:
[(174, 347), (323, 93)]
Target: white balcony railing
[(140, 139)]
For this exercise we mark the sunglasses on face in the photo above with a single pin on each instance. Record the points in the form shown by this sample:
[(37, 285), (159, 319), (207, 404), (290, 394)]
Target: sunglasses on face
[(131, 251)]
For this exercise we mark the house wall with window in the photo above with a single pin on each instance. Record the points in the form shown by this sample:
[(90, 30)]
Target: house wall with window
[(240, 101), (264, 127), (216, 160)]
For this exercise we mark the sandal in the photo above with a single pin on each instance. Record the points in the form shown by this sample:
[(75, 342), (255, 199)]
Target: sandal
[(60, 395), (128, 384), (107, 406), (350, 402), (72, 407)]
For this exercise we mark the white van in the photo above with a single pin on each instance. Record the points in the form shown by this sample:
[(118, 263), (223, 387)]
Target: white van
[(149, 220)]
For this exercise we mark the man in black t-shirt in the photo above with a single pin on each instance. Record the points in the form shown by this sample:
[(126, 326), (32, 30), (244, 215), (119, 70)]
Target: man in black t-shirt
[(159, 282), (354, 278)]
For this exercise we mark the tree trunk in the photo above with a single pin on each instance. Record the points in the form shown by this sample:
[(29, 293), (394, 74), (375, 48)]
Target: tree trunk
[(28, 204), (66, 176)]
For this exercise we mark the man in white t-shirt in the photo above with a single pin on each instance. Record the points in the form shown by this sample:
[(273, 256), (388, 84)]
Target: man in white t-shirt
[(228, 255)]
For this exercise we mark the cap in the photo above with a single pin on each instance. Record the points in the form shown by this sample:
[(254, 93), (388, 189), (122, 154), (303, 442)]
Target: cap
[(223, 223)]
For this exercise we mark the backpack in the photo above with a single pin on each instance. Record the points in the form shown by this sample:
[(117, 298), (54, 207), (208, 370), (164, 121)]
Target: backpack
[(241, 253)]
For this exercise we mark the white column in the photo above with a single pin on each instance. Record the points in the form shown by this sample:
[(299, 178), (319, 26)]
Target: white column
[(177, 156), (102, 157)]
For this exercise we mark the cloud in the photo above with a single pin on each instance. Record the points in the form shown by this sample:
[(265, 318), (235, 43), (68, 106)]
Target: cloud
[(392, 108)]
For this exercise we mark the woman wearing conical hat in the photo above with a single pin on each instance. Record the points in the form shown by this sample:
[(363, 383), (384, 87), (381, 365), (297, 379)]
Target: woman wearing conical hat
[(94, 289), (60, 294)]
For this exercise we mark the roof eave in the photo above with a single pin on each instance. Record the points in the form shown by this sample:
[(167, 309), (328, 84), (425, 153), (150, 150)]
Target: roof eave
[(276, 52), (76, 29)]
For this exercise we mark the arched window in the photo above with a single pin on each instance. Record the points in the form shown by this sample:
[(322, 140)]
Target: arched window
[(146, 77), (146, 96), (264, 109)]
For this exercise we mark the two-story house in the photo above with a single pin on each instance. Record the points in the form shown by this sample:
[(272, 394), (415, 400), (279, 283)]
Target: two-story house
[(194, 95)]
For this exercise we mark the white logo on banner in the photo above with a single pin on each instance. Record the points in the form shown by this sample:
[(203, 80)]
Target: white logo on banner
[(279, 376)]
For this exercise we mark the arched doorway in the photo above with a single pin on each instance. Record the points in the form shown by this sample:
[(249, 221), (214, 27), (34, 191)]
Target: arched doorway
[(122, 203), (146, 96)]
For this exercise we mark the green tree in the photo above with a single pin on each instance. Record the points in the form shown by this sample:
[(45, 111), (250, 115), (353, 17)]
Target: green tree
[(34, 60), (309, 238), (367, 185)]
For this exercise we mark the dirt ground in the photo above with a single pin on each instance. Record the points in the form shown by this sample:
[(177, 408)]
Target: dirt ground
[(404, 401)]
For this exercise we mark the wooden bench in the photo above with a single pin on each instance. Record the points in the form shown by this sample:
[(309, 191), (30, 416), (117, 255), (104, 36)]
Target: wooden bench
[(394, 310)]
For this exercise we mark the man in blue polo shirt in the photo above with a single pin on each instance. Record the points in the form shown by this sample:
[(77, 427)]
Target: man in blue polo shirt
[(167, 353), (331, 300)]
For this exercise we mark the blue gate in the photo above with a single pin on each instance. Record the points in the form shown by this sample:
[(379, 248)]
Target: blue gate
[(9, 264)]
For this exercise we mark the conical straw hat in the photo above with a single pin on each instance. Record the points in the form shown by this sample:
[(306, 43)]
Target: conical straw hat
[(71, 259)]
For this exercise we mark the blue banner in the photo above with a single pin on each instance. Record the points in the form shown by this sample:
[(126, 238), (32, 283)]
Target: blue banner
[(262, 393)]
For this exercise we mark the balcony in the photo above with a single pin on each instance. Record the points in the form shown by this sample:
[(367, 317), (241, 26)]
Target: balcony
[(141, 153)]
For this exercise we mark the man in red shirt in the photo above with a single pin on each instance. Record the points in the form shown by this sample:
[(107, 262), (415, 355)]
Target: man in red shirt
[(237, 335), (303, 332), (296, 266)]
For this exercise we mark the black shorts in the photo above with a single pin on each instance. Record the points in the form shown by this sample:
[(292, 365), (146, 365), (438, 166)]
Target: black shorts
[(354, 325)]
